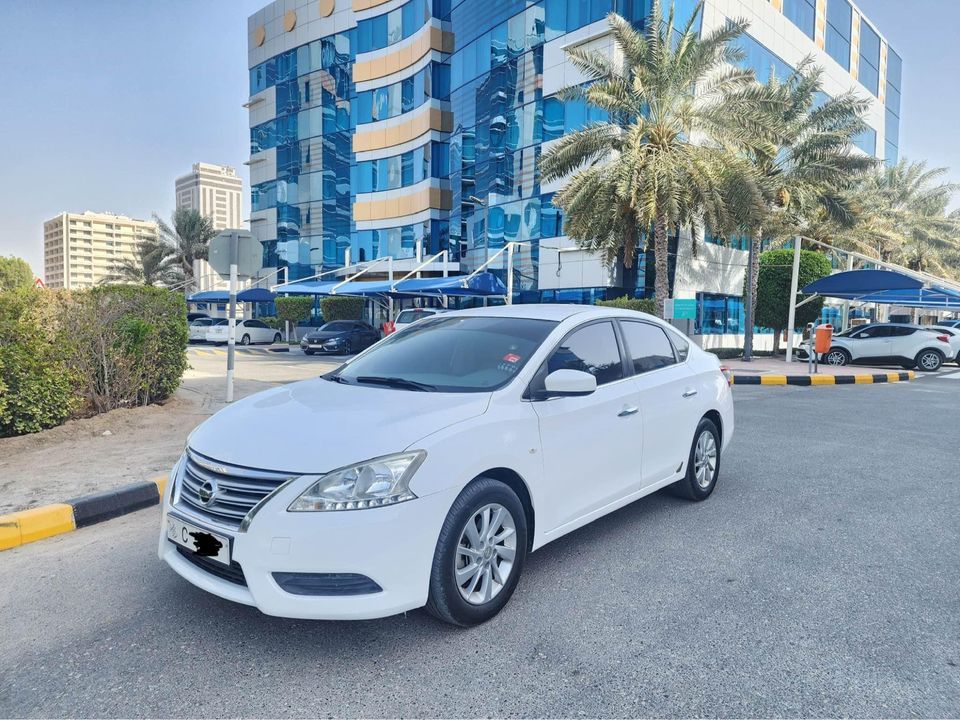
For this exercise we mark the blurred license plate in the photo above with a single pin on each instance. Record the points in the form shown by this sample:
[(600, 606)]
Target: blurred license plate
[(200, 541)]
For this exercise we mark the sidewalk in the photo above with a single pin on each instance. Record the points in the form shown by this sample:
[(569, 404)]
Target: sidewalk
[(776, 371), (777, 365)]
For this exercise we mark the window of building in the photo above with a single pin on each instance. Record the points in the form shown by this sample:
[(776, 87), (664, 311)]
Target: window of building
[(648, 347), (869, 71), (803, 14), (839, 21), (384, 30), (593, 349), (867, 141), (719, 314)]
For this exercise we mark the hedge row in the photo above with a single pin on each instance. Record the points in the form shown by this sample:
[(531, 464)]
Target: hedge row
[(64, 354), (647, 305)]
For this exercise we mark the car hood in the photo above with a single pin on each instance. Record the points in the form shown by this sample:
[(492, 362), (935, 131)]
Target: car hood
[(317, 425), (325, 335)]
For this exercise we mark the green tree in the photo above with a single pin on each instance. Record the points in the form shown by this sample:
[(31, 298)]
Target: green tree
[(773, 289), (341, 308), (15, 273), (805, 173), (153, 263), (294, 308), (640, 169), (187, 237)]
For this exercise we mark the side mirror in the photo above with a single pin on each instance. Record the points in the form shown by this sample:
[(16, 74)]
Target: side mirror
[(569, 383)]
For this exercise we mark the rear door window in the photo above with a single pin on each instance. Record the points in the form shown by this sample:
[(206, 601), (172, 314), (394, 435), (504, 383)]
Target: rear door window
[(648, 347)]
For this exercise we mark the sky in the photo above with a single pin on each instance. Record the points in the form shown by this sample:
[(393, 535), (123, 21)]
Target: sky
[(106, 102)]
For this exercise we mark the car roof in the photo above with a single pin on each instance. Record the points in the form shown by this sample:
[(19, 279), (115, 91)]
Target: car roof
[(543, 311)]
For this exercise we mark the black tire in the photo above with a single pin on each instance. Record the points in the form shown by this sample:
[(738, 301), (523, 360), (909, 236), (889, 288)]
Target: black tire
[(841, 356), (245, 340), (347, 348), (929, 360), (308, 352), (689, 487), (278, 338), (445, 601)]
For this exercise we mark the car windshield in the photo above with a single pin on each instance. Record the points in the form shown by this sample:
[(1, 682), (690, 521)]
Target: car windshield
[(339, 326), (449, 354), (222, 322), (202, 321), (408, 316)]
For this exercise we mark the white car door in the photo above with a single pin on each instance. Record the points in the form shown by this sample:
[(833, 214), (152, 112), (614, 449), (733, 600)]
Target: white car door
[(669, 406), (871, 342), (590, 444)]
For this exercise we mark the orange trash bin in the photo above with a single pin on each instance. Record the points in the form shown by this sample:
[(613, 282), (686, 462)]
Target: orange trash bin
[(824, 336)]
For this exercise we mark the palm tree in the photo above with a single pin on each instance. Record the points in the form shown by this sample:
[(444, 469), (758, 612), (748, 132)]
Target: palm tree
[(670, 154), (153, 264), (805, 173), (187, 237)]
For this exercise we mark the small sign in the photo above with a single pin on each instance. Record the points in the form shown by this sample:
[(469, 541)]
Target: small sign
[(249, 253), (683, 309)]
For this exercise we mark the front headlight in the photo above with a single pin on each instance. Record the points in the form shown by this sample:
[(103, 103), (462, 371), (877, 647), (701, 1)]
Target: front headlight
[(373, 483)]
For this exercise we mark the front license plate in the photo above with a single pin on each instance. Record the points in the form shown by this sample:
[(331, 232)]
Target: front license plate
[(200, 541)]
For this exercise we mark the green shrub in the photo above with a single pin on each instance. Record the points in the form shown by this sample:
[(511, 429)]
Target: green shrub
[(647, 305), (293, 309), (37, 386), (128, 344), (341, 308), (273, 323)]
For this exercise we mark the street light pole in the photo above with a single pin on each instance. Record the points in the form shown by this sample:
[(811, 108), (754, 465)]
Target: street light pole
[(748, 310), (232, 322), (794, 283)]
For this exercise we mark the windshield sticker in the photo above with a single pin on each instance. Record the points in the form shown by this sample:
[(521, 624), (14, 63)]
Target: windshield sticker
[(511, 358)]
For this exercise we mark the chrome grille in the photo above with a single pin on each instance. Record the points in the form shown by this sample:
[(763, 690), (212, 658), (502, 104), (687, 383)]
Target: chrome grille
[(235, 490)]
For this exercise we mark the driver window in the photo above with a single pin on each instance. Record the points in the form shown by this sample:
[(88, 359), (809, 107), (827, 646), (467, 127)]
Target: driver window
[(591, 349)]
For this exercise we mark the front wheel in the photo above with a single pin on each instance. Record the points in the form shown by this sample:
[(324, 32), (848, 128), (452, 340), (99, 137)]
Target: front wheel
[(479, 554), (929, 360), (277, 338), (703, 463), (838, 357), (347, 348)]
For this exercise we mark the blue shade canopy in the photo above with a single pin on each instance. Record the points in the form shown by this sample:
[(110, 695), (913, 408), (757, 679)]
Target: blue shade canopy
[(885, 287), (222, 296), (853, 284), (479, 285)]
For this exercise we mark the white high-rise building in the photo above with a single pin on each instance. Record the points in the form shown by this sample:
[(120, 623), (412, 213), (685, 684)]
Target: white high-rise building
[(82, 249), (214, 191)]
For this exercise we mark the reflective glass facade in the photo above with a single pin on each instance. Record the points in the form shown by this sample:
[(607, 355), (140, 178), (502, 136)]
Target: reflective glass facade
[(491, 88)]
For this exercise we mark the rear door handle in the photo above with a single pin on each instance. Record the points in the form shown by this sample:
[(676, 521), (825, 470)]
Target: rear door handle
[(689, 393), (627, 411)]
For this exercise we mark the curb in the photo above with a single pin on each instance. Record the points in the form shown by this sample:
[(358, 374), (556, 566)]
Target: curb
[(27, 526), (808, 380)]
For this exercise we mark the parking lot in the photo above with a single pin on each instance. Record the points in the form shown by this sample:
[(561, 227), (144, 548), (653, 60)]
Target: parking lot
[(820, 579)]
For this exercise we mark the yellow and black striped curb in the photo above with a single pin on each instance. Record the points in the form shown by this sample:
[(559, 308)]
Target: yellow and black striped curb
[(807, 380), (26, 526)]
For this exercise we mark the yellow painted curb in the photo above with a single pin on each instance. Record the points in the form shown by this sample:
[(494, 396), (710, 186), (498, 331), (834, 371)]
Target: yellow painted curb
[(773, 379), (822, 380), (161, 485), (27, 526), (863, 379)]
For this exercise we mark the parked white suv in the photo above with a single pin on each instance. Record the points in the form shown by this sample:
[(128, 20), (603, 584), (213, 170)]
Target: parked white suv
[(890, 344), (951, 332)]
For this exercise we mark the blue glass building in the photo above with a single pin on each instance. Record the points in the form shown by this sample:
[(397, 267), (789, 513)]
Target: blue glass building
[(390, 128)]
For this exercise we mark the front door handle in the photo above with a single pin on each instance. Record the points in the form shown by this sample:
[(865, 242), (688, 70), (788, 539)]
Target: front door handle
[(627, 411), (690, 393)]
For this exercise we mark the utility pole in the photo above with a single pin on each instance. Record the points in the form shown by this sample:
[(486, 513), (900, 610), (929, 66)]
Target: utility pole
[(232, 322), (748, 310)]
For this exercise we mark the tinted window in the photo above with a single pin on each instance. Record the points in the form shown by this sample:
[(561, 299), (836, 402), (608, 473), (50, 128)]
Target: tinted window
[(255, 324), (592, 349), (409, 316), (873, 332), (648, 347), (901, 331), (341, 326), (682, 346)]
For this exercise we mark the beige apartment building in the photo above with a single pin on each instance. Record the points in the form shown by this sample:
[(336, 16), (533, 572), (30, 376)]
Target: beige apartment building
[(82, 249), (214, 191)]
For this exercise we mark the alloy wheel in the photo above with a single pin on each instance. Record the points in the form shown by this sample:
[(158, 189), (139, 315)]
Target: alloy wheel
[(705, 459), (485, 554), (836, 357), (930, 361)]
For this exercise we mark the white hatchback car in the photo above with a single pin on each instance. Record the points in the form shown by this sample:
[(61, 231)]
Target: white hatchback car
[(433, 462), (890, 344), (248, 332), (197, 329)]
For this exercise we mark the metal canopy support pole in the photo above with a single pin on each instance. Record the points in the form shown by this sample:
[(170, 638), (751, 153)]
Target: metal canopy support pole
[(794, 282), (845, 320), (748, 310), (510, 249), (232, 322), (390, 298)]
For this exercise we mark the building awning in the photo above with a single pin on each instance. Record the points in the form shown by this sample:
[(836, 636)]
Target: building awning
[(483, 284), (252, 295), (885, 287)]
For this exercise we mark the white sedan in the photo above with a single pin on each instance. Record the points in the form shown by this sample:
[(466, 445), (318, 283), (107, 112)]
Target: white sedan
[(430, 465), (248, 332), (197, 329)]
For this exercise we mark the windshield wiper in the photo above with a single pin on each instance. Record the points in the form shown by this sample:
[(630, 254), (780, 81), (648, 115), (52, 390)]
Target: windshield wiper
[(396, 382), (336, 377)]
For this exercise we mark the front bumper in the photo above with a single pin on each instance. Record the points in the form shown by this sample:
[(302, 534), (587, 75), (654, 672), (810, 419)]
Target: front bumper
[(320, 349), (393, 546)]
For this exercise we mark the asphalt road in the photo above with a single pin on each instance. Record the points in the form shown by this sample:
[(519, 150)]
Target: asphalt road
[(821, 579)]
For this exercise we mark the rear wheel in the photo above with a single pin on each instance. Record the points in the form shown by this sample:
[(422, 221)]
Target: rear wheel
[(278, 338), (703, 464), (245, 340), (929, 360), (837, 356), (479, 554), (308, 352)]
